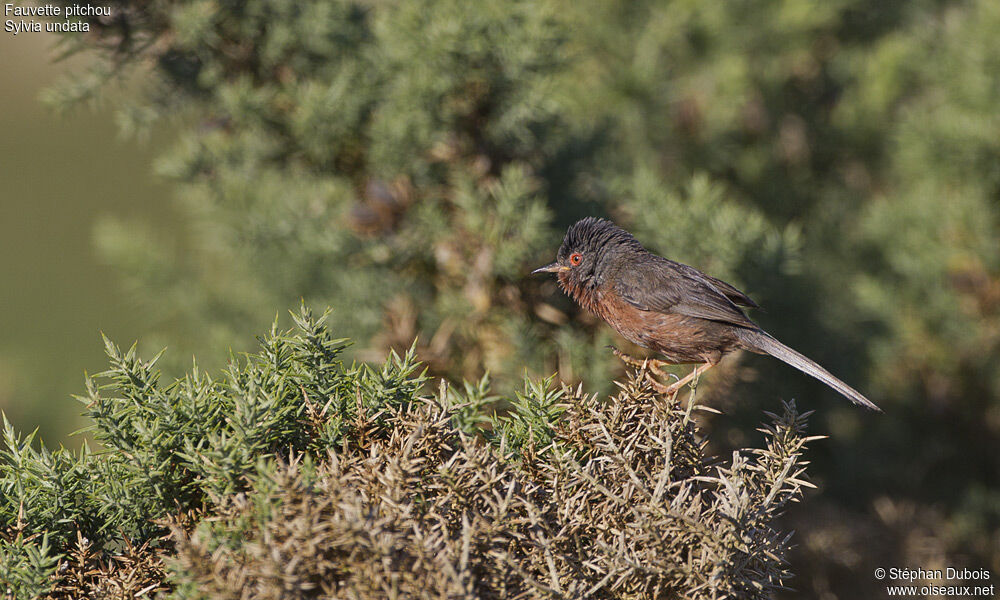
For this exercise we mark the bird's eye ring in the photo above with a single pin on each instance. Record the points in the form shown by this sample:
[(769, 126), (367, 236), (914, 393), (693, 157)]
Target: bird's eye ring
[(575, 258)]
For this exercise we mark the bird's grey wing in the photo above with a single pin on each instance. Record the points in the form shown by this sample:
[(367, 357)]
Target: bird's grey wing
[(734, 295), (669, 287)]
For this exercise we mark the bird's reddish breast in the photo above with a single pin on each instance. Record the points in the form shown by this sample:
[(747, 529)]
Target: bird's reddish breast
[(626, 319)]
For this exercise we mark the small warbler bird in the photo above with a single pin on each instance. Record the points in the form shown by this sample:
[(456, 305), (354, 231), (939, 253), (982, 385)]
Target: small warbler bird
[(673, 309)]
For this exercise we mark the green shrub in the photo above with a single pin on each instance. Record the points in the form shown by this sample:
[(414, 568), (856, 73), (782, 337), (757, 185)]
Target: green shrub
[(297, 475)]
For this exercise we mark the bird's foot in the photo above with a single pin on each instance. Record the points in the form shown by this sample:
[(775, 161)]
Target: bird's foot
[(691, 378), (649, 367), (646, 364), (625, 358), (673, 388), (659, 386)]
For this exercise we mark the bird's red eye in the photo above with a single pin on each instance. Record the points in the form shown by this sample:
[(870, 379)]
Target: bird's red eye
[(575, 258)]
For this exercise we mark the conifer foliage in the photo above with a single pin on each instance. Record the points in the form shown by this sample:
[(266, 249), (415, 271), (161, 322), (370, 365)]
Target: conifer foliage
[(294, 474)]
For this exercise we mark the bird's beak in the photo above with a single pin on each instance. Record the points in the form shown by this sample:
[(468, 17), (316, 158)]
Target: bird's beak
[(552, 268)]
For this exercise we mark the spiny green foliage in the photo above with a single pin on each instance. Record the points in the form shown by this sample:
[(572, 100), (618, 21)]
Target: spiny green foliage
[(297, 474), (27, 563)]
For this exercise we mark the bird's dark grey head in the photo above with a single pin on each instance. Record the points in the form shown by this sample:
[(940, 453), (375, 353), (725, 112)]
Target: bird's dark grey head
[(589, 249)]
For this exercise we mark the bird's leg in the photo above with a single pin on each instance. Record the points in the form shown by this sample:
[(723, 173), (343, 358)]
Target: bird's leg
[(690, 376), (648, 367), (650, 364), (657, 384), (654, 367), (625, 358)]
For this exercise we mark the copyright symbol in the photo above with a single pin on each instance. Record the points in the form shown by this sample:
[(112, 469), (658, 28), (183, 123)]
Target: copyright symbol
[(880, 573)]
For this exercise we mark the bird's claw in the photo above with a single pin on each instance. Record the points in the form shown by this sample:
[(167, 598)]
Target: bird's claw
[(646, 363), (659, 386), (650, 367)]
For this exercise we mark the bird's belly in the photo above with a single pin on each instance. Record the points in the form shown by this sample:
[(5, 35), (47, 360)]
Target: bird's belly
[(680, 339)]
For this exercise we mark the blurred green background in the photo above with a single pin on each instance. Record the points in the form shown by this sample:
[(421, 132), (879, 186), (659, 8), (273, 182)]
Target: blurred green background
[(408, 163), (60, 174)]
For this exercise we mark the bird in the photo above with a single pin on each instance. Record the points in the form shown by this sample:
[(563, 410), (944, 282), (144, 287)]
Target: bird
[(675, 310)]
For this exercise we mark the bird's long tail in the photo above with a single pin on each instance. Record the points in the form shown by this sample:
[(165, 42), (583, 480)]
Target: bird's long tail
[(763, 342)]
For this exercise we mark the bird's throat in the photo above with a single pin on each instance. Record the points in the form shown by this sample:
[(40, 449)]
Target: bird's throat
[(584, 295)]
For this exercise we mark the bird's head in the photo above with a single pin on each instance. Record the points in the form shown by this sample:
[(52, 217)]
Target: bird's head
[(589, 250)]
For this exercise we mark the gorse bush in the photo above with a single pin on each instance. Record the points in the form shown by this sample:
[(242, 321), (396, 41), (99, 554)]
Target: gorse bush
[(297, 475)]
